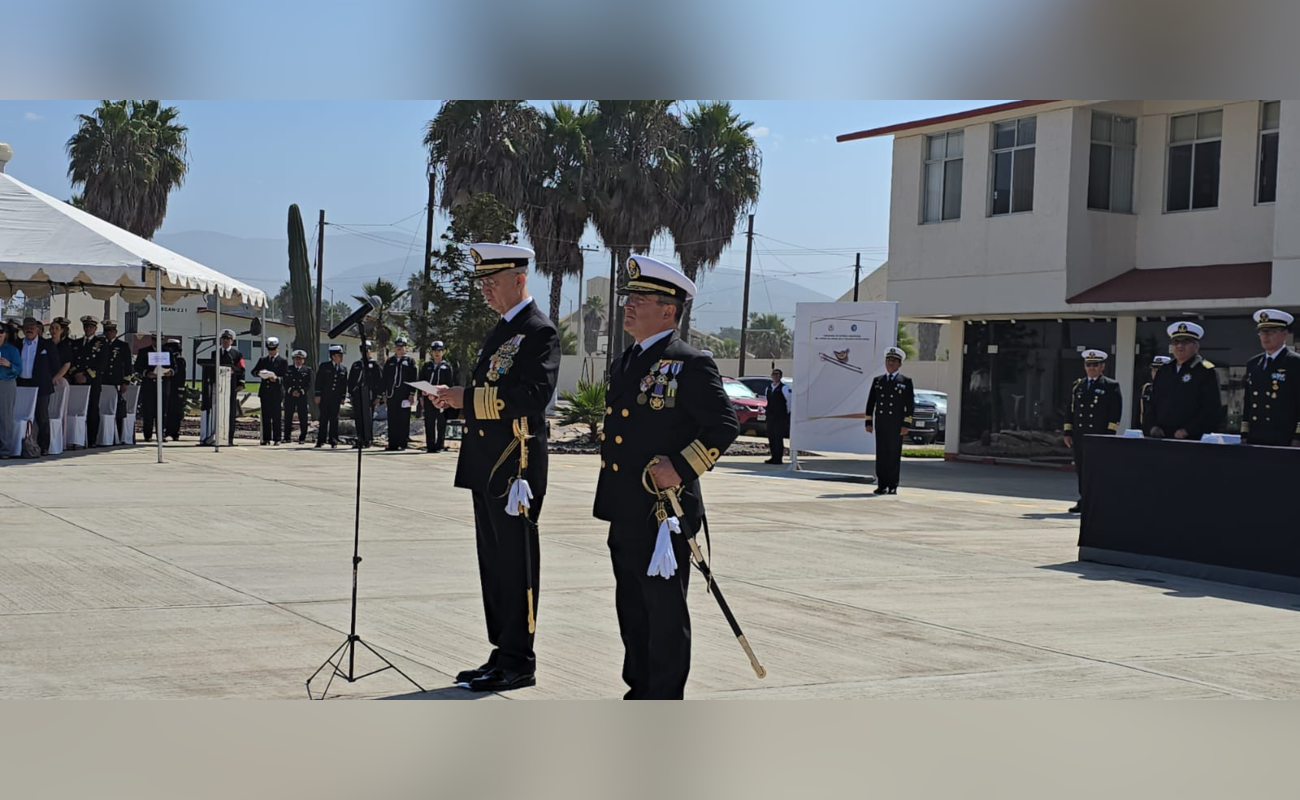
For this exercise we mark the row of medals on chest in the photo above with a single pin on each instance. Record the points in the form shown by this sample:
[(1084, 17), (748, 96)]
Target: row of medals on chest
[(659, 388)]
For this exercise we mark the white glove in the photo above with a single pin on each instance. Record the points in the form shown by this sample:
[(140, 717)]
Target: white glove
[(664, 561), (520, 496), (406, 404)]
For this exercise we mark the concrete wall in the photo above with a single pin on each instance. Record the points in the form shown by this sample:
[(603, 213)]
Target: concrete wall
[(1030, 263), (980, 264), (1238, 231)]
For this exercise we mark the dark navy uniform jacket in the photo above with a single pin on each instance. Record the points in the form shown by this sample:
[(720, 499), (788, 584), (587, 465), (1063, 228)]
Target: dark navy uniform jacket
[(1095, 410), (693, 430), (511, 385), (1272, 412)]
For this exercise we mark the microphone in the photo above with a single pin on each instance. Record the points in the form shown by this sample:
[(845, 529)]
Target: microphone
[(355, 317)]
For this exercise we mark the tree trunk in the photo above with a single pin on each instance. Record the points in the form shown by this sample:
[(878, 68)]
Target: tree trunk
[(684, 329), (557, 286), (305, 332)]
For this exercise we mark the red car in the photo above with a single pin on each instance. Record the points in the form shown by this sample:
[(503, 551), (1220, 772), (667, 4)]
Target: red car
[(751, 410)]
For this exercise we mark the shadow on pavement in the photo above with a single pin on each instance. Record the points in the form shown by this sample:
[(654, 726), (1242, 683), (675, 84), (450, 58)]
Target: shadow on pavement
[(1178, 585), (442, 693)]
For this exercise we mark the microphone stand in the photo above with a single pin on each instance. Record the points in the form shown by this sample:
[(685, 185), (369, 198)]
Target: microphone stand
[(349, 646)]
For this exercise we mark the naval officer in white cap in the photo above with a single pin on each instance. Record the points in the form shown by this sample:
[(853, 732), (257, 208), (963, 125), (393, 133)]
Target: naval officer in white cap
[(1272, 410), (270, 393), (891, 402), (1185, 399), (1095, 408), (502, 460), (667, 419)]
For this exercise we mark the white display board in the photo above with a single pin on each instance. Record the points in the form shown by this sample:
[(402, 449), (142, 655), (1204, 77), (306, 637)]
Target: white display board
[(838, 349)]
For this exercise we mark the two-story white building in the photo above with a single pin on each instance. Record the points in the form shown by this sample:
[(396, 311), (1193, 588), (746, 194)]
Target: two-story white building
[(1039, 228)]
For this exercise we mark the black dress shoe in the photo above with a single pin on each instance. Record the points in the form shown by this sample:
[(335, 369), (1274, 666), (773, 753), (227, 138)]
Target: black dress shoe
[(881, 490), (1074, 509), (319, 445), (893, 490), (502, 680), (467, 675)]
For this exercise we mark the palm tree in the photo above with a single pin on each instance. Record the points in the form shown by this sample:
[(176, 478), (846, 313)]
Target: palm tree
[(768, 337), (717, 183), (127, 156), (389, 296), (633, 142), (556, 213), (478, 146), (593, 318)]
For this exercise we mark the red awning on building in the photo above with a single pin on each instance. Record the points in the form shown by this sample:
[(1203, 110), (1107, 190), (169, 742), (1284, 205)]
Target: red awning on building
[(1216, 282)]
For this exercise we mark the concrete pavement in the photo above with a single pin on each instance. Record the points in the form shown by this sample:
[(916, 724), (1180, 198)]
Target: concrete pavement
[(228, 575)]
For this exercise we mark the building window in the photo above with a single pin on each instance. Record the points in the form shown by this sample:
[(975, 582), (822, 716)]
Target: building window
[(1013, 166), (1269, 121), (943, 160), (1195, 144), (1111, 162)]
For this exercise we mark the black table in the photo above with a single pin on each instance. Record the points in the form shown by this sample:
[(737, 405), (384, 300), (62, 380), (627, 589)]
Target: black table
[(1214, 511)]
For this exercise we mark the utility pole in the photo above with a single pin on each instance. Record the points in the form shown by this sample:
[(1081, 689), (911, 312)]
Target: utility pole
[(428, 263), (320, 272), (857, 272), (744, 318), (582, 287)]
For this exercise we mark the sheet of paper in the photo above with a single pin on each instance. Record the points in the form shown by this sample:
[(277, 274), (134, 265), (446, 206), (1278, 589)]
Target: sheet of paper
[(163, 359), (423, 386), (266, 373), (406, 404)]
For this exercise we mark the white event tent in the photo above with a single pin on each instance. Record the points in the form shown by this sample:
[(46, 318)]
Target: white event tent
[(47, 245)]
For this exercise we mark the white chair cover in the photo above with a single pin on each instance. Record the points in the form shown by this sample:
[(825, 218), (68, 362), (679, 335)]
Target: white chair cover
[(131, 397), (107, 416), (24, 412), (74, 418), (58, 407)]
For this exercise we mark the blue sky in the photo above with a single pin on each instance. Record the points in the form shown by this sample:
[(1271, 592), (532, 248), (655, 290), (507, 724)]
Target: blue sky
[(363, 163)]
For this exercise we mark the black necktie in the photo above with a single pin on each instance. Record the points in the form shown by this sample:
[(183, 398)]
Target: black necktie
[(630, 356), (1267, 360)]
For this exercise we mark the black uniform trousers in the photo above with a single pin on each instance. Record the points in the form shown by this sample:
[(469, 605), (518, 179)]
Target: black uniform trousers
[(328, 431), (435, 427), (501, 570), (121, 407), (92, 415), (173, 406), (149, 407), (652, 615), (889, 452), (1078, 458), (295, 405), (272, 398), (777, 430), (399, 423), (363, 414)]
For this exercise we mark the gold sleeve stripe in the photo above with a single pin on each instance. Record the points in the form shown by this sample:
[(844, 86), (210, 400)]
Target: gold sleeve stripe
[(487, 406), (700, 458), (1245, 427), (1069, 427), (1114, 426), (907, 420)]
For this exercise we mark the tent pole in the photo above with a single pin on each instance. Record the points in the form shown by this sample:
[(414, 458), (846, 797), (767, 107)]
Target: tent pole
[(159, 348), (216, 380)]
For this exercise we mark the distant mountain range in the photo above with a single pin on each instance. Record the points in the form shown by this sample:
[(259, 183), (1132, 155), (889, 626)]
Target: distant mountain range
[(352, 260)]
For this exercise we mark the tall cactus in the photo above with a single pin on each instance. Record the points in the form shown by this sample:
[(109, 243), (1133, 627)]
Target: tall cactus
[(306, 332)]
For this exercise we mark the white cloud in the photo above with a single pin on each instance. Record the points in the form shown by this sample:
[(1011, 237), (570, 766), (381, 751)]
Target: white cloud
[(759, 131), (31, 116)]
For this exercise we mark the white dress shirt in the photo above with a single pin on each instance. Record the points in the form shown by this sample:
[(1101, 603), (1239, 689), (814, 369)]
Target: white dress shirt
[(512, 313)]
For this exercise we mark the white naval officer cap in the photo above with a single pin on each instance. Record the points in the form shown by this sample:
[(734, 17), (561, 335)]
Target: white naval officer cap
[(438, 345), (489, 259), (1160, 361), (400, 341), (897, 353), (299, 353), (336, 348), (1093, 356), (227, 332), (646, 275), (1185, 330), (1272, 318), (272, 342)]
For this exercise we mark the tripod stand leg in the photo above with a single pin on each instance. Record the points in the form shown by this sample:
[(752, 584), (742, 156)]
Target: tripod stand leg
[(390, 664), (334, 670)]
